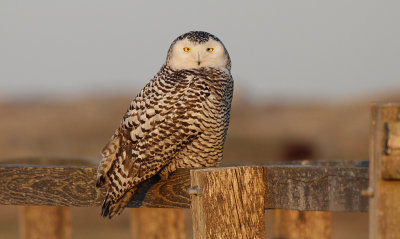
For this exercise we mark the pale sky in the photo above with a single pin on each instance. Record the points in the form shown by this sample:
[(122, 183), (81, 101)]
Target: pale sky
[(279, 49)]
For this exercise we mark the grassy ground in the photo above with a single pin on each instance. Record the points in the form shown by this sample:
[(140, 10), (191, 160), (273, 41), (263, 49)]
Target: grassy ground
[(258, 134)]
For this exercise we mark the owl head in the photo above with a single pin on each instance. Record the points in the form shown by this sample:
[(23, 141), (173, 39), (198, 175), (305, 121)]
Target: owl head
[(197, 49)]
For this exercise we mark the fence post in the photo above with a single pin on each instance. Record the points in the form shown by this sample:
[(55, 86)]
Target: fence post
[(154, 223), (228, 202), (384, 190), (45, 222), (290, 224)]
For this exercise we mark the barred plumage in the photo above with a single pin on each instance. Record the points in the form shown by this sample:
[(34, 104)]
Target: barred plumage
[(178, 120)]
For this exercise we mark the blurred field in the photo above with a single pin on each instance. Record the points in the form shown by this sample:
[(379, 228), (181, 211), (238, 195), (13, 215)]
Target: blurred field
[(258, 134)]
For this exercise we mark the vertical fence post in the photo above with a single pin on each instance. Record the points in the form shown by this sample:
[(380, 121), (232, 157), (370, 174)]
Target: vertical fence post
[(289, 224), (228, 202), (384, 191), (45, 222), (155, 223)]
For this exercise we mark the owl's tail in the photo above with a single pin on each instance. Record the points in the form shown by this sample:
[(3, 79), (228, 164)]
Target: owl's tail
[(110, 208)]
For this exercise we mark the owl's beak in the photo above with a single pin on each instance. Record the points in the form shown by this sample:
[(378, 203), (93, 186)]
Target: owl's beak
[(198, 59)]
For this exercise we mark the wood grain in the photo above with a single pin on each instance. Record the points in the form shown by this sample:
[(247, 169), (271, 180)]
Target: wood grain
[(170, 193), (384, 211), (302, 224), (39, 222), (390, 166), (317, 188), (69, 182), (323, 186), (50, 186), (230, 204)]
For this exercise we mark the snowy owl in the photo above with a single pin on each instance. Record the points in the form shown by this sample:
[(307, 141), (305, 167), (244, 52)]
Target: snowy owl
[(178, 120)]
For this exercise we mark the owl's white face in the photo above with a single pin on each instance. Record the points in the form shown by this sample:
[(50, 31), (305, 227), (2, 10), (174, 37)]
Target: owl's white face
[(186, 54)]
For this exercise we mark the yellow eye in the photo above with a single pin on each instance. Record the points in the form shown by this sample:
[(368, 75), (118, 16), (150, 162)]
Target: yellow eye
[(210, 49), (186, 49)]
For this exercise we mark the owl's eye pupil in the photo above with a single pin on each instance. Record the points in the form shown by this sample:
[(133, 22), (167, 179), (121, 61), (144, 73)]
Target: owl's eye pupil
[(210, 49), (186, 49)]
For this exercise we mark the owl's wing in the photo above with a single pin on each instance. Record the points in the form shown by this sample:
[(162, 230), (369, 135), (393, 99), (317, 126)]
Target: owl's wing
[(164, 118)]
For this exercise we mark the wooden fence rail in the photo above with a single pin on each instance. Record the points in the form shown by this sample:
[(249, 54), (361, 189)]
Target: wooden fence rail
[(230, 202), (312, 185)]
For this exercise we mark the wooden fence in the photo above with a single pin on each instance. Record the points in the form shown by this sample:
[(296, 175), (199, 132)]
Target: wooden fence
[(226, 202)]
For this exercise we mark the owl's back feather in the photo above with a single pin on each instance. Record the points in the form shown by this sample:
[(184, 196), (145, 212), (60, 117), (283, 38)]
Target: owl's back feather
[(179, 119)]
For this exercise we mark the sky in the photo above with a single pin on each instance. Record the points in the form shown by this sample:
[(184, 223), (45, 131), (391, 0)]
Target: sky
[(292, 50)]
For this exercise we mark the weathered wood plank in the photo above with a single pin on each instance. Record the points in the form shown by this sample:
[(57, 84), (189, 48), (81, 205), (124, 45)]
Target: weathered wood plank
[(151, 223), (229, 203), (171, 193), (326, 186), (49, 186), (384, 211), (71, 183), (302, 224), (316, 187), (45, 222)]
